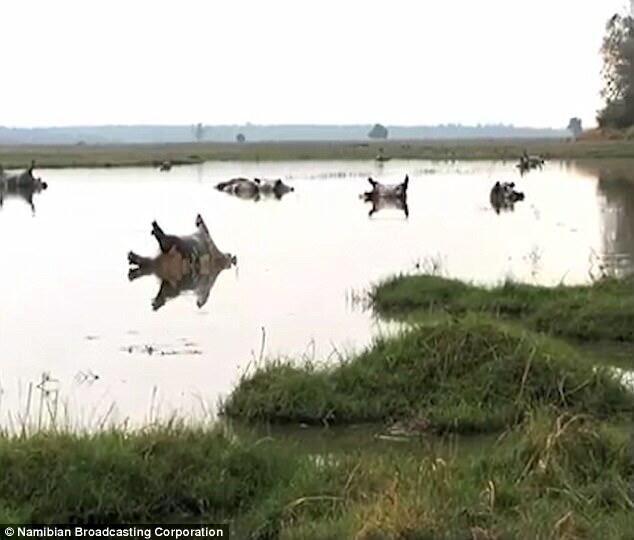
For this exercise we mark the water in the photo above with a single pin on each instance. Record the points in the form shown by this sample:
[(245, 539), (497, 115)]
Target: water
[(69, 310)]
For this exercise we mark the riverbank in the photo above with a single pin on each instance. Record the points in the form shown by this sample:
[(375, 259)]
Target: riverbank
[(553, 477), (558, 465), (180, 154)]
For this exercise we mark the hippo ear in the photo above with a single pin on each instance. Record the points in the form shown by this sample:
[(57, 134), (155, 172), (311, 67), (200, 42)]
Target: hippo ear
[(278, 182), (32, 167), (257, 181), (372, 182)]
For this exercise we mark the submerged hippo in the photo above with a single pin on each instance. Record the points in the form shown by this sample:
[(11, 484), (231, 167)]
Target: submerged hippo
[(387, 196), (23, 185), (503, 196), (185, 263), (254, 189)]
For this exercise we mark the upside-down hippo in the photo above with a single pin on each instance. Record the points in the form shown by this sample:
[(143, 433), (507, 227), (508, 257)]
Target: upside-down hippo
[(23, 185), (255, 189), (185, 263), (387, 196)]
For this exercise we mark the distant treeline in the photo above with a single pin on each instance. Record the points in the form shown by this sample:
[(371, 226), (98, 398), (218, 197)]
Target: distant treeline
[(254, 133)]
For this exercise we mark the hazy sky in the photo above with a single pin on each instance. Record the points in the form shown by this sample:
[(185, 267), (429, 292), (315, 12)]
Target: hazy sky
[(530, 62)]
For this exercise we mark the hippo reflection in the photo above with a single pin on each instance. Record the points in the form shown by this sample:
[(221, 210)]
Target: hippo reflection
[(185, 263), (387, 196), (255, 189), (503, 196), (21, 185)]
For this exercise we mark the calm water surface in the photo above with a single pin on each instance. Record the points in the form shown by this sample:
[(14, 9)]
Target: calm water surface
[(69, 310)]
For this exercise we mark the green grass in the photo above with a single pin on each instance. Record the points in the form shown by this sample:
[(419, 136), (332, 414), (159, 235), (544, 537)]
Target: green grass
[(472, 375), (603, 311), (551, 477), (187, 153), (117, 477)]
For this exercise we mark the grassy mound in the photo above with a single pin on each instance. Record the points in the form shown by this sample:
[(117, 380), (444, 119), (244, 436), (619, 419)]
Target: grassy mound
[(603, 311), (470, 375), (118, 477)]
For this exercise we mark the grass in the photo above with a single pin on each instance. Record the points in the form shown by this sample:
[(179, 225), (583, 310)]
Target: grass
[(470, 375), (117, 477), (553, 476), (190, 153), (603, 311)]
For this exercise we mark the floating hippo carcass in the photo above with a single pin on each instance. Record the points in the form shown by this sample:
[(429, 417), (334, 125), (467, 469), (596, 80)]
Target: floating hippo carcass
[(387, 196), (503, 196), (275, 188), (185, 263), (21, 185), (528, 163), (255, 189)]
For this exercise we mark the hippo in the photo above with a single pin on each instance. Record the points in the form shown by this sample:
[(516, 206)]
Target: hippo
[(166, 166), (387, 196), (23, 185), (275, 188), (240, 187), (503, 196), (254, 189), (184, 263), (528, 163)]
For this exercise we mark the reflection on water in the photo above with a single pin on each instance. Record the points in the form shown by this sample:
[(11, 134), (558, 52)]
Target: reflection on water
[(68, 307), (25, 194), (616, 188), (389, 203)]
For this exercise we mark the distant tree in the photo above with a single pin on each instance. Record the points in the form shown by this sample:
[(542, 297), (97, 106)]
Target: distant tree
[(618, 73), (378, 132), (574, 126), (240, 138), (199, 132)]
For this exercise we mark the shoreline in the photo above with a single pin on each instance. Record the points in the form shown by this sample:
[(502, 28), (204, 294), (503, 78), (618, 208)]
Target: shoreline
[(152, 155)]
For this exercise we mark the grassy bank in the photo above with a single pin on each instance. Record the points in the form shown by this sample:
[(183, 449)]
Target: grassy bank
[(470, 375), (554, 477), (602, 311), (152, 155)]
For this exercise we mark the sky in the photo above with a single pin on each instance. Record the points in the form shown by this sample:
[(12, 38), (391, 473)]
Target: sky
[(398, 62)]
